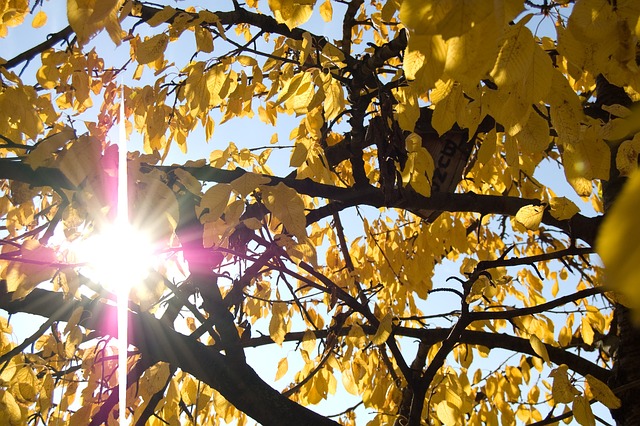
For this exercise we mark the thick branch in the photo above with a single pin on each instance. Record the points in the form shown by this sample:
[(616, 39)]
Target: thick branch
[(237, 382)]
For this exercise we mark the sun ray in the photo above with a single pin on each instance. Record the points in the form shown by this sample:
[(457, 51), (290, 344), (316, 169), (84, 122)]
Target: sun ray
[(122, 293)]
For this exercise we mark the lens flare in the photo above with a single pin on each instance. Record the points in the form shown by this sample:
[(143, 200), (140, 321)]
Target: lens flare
[(118, 258)]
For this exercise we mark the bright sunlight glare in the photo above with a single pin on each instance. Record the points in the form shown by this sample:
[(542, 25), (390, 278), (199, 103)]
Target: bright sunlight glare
[(119, 257)]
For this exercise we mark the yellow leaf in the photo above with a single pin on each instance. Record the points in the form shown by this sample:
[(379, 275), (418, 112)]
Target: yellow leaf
[(424, 60), (87, 17), (533, 137), (407, 109), (277, 324), (204, 39), (423, 17), (248, 182), (349, 382), (470, 57), (530, 216), (326, 11), (453, 397), (309, 341), (292, 13), (44, 150), (446, 110), (283, 366), (617, 244), (586, 157), (419, 168), (461, 18), (33, 267), (334, 99), (384, 330), (151, 49), (298, 155), (161, 16), (39, 20), (562, 208), (217, 84), (216, 200), (192, 184), (156, 377), (603, 393), (627, 156), (562, 390), (539, 348), (73, 319), (10, 411), (515, 56), (582, 411), (448, 413), (81, 159), (285, 204)]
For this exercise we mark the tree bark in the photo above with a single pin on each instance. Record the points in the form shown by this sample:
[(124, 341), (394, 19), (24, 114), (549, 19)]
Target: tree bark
[(627, 359), (237, 382)]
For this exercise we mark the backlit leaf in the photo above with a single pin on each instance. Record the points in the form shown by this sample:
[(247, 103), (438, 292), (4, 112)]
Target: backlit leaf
[(530, 216), (283, 366), (87, 17), (216, 199), (156, 377), (45, 149), (384, 330), (562, 208), (616, 243), (603, 393), (152, 48), (248, 182), (39, 20), (539, 348), (277, 324), (285, 203), (582, 411), (562, 390), (326, 11)]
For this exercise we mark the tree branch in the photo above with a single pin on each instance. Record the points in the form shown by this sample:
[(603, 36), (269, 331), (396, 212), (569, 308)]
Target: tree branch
[(237, 382)]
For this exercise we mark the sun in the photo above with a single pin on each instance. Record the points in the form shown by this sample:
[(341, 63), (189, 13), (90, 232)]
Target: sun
[(118, 257)]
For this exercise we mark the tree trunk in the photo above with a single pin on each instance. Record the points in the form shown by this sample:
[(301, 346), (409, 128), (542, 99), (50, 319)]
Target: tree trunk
[(627, 369), (627, 359)]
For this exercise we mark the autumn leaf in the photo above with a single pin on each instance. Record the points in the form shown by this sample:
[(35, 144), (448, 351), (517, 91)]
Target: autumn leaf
[(248, 182), (155, 377), (33, 266), (283, 366), (384, 330), (616, 243), (39, 20), (151, 49), (215, 200), (530, 216), (562, 208), (562, 390), (285, 204), (45, 149), (603, 393), (292, 12), (326, 11), (539, 348), (88, 17), (582, 411), (278, 324)]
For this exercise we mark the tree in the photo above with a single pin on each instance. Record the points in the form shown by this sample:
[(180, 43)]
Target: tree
[(420, 129)]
